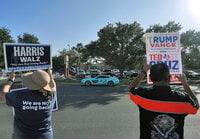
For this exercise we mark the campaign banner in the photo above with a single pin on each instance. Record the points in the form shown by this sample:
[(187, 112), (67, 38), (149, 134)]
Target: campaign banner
[(24, 57), (164, 48)]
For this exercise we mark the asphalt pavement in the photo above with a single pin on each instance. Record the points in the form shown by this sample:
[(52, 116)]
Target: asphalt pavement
[(96, 112)]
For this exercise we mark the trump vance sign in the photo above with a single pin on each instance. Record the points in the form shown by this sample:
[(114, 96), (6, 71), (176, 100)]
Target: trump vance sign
[(164, 48)]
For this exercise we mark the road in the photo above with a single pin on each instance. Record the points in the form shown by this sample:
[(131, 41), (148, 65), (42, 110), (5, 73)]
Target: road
[(95, 113)]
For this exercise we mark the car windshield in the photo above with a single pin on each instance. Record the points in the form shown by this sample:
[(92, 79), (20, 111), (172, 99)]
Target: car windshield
[(102, 77)]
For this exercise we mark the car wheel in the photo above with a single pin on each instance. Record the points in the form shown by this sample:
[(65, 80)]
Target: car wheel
[(110, 83), (87, 83)]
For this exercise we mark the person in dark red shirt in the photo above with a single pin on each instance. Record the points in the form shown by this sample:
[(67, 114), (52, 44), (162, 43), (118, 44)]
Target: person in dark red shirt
[(162, 110)]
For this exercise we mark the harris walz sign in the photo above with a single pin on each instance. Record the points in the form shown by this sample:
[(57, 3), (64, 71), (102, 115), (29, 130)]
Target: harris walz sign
[(23, 57)]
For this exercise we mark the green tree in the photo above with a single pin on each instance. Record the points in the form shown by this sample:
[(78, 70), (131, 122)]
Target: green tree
[(80, 52), (171, 26), (120, 45), (27, 38), (5, 37), (58, 63), (89, 53), (190, 41), (74, 55)]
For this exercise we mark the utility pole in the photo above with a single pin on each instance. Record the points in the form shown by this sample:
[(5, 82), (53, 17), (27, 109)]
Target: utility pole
[(78, 63), (66, 65)]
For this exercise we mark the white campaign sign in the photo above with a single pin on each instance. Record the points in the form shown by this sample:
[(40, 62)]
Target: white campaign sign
[(164, 48)]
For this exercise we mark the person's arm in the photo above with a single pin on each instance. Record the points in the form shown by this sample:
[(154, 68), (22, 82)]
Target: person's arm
[(52, 82), (7, 86), (137, 81), (187, 89)]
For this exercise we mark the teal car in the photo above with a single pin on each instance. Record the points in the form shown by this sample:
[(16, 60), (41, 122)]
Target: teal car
[(100, 80)]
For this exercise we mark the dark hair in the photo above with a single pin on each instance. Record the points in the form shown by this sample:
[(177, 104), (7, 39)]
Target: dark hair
[(159, 72), (45, 93)]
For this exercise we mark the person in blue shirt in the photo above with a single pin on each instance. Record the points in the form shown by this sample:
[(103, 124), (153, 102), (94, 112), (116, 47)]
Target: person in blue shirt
[(32, 105)]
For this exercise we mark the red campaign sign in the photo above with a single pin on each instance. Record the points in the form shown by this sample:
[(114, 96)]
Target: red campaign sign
[(173, 78)]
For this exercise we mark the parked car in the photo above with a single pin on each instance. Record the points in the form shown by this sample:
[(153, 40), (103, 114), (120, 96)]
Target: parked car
[(100, 80), (190, 74), (56, 74), (81, 73), (94, 72), (107, 72), (133, 73), (116, 72), (130, 73), (125, 74)]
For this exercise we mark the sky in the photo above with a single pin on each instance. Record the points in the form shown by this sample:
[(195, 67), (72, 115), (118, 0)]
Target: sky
[(64, 23)]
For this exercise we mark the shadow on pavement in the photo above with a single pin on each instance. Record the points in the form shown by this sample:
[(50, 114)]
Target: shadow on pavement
[(81, 96)]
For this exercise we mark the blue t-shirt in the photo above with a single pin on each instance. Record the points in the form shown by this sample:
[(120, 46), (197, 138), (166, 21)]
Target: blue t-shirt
[(32, 119)]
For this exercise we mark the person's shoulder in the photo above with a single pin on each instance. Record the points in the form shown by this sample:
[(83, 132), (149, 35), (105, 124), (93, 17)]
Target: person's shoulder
[(180, 96), (141, 90), (145, 88), (179, 93), (20, 90)]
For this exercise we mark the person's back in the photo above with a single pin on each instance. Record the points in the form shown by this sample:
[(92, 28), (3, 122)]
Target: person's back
[(32, 106), (32, 110), (162, 111)]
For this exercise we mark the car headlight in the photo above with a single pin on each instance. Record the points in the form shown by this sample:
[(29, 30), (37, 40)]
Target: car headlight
[(83, 80)]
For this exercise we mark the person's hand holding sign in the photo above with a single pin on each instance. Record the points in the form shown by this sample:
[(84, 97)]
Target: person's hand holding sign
[(52, 82), (8, 85), (182, 79), (49, 71), (12, 76), (146, 67), (136, 82)]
